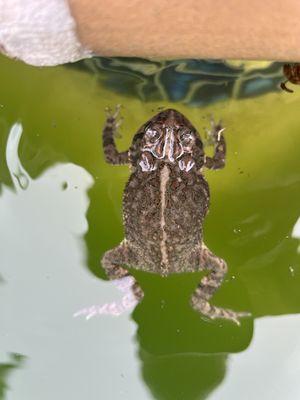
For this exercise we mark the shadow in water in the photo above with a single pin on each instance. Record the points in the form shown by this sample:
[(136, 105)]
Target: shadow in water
[(183, 356), (183, 376)]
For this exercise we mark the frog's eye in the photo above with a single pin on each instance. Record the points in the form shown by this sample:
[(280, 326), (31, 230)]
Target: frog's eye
[(186, 138), (152, 135)]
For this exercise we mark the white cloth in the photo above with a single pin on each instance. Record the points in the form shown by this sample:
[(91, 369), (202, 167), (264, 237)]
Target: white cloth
[(39, 32)]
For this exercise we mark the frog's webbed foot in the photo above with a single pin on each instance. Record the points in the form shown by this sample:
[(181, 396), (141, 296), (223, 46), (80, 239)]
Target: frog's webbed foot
[(213, 312), (112, 262), (208, 286), (115, 308)]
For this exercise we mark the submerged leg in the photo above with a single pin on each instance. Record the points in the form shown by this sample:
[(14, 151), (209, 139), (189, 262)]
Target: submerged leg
[(110, 130), (112, 262), (208, 286), (215, 134)]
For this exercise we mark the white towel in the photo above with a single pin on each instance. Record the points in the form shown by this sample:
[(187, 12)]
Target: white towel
[(39, 32)]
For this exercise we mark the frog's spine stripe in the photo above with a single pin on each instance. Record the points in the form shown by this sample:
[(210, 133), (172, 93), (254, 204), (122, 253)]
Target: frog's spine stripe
[(164, 178)]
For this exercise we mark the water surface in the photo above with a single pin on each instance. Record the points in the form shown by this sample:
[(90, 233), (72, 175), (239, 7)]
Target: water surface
[(60, 209)]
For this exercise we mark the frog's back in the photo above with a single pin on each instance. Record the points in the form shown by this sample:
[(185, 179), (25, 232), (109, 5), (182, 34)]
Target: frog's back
[(163, 214)]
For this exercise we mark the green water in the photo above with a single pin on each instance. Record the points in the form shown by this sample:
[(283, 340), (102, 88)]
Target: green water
[(60, 209)]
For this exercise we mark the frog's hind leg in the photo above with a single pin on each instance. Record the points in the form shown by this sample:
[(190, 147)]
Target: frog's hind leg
[(113, 261), (209, 284)]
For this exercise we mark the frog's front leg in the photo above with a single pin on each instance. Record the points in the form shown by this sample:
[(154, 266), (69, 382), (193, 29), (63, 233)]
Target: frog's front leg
[(215, 134), (110, 130), (113, 261), (208, 286)]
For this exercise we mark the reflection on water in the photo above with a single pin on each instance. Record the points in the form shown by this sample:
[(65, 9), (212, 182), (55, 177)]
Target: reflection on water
[(277, 372), (192, 82), (12, 159), (15, 361), (296, 232), (60, 211)]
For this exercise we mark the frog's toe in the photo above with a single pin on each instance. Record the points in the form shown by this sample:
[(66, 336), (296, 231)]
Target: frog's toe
[(231, 315), (235, 316), (113, 114), (114, 119), (213, 134)]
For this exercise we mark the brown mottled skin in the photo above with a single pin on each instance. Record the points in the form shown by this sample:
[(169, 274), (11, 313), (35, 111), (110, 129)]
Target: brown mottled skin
[(164, 205), (292, 73)]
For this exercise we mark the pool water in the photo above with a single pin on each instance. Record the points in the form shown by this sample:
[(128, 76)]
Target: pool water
[(60, 210)]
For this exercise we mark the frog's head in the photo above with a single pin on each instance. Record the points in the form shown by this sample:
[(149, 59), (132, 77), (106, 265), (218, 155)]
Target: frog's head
[(168, 136)]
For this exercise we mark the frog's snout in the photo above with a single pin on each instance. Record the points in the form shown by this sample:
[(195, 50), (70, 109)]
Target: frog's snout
[(168, 148), (173, 147)]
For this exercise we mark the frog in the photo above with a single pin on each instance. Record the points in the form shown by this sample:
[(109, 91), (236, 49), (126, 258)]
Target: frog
[(165, 202), (292, 74)]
